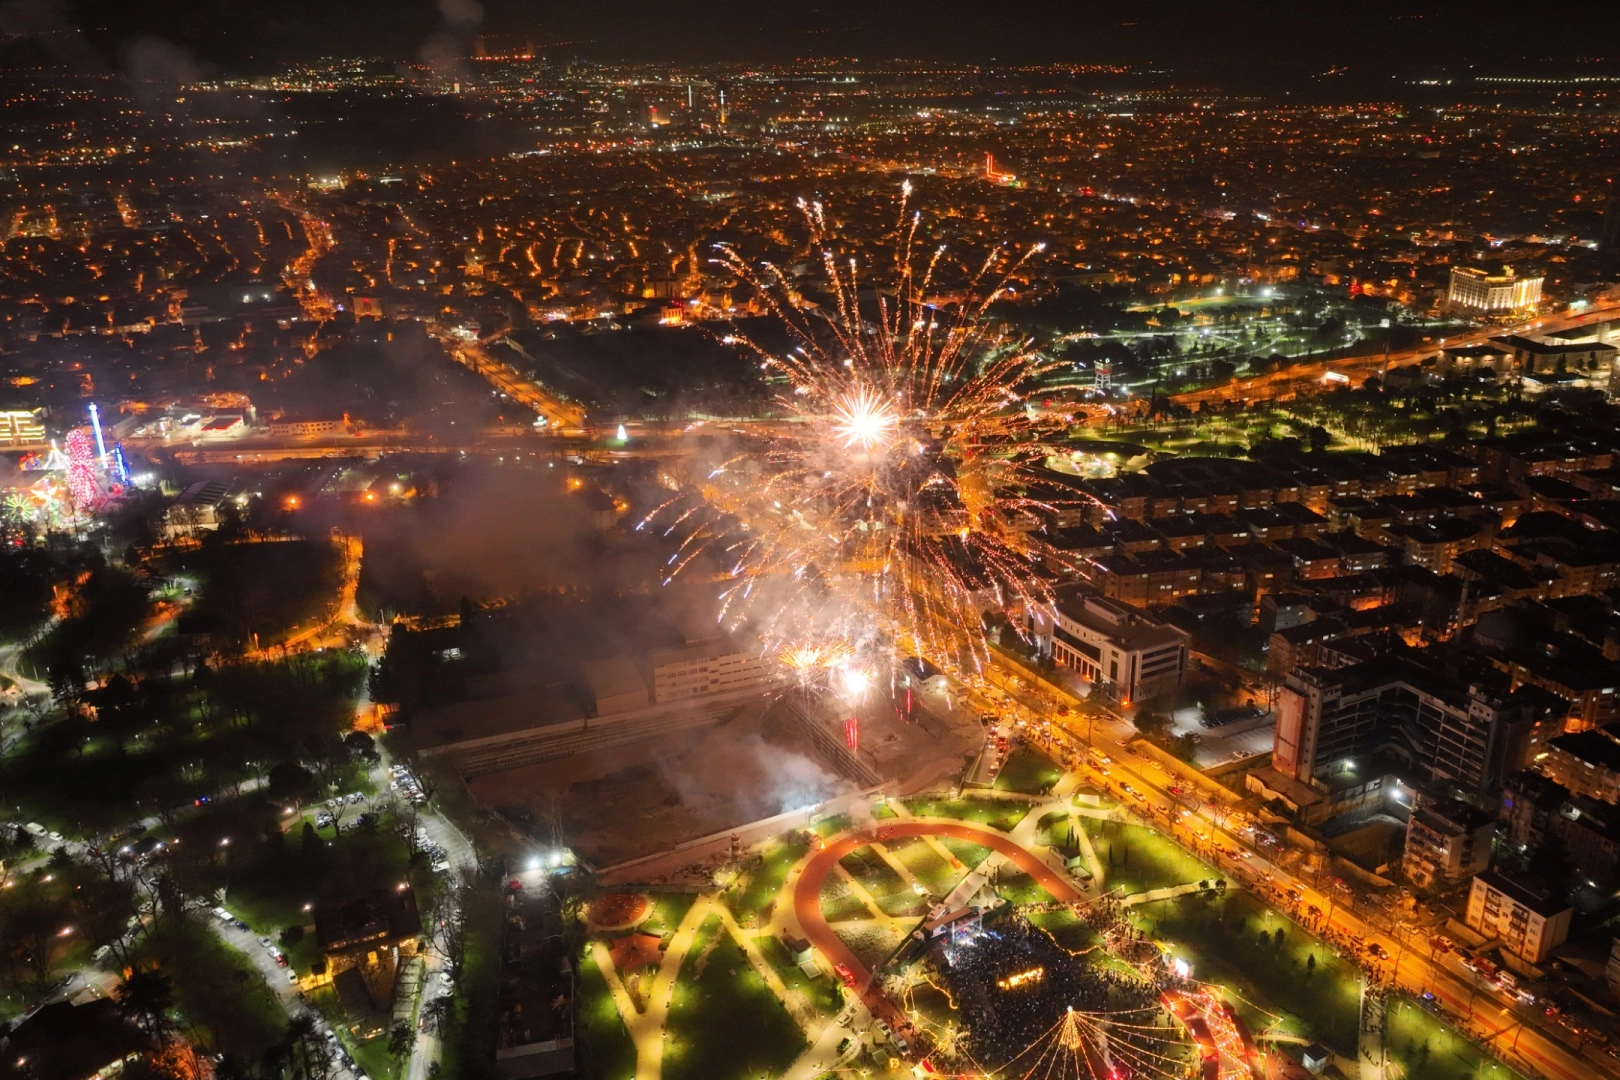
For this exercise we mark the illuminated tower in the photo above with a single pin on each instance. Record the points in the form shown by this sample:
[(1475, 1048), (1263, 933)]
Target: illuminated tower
[(95, 424), (1104, 371), (722, 107)]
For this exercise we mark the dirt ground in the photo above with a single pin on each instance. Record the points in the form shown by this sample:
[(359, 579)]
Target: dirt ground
[(628, 801)]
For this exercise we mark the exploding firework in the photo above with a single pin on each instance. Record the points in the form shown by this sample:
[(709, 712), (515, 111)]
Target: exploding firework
[(899, 495)]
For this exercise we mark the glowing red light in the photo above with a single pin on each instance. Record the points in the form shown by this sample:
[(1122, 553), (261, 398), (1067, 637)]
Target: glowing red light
[(852, 733)]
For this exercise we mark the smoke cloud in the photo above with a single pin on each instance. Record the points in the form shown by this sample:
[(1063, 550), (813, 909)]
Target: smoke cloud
[(448, 46)]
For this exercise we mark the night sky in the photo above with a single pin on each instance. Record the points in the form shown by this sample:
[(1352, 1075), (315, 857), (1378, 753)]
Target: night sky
[(1222, 41)]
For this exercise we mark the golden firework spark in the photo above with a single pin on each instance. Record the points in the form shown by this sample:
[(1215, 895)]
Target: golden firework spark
[(902, 493)]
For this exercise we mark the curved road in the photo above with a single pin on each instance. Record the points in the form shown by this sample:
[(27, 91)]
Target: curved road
[(807, 890)]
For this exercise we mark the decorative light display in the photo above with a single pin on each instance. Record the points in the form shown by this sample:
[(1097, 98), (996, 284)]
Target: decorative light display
[(81, 472), (852, 733)]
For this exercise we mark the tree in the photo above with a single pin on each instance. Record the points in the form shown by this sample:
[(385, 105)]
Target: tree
[(1151, 724), (290, 783), (310, 841), (400, 1040), (146, 997), (436, 1014)]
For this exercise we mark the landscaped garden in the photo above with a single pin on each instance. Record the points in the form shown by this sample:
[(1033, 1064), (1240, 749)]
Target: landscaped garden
[(725, 1023)]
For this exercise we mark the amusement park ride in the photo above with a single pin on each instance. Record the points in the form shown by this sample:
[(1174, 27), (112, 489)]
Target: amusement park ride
[(76, 480)]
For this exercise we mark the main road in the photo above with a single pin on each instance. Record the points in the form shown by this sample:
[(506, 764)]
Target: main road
[(1210, 831)]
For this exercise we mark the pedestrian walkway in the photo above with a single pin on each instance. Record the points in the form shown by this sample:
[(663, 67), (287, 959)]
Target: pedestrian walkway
[(1170, 892)]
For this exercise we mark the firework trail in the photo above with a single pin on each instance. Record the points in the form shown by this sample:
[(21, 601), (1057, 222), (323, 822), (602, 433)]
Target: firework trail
[(903, 492)]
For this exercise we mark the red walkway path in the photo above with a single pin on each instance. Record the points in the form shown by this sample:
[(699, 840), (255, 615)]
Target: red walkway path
[(807, 890)]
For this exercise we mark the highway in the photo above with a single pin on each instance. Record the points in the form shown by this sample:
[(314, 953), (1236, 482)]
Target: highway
[(1208, 829)]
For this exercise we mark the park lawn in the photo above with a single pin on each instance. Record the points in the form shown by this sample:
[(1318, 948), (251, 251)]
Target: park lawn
[(726, 1024), (752, 895), (1017, 887), (1029, 771), (904, 905), (1221, 936), (668, 909), (925, 864), (839, 901), (1056, 830), (824, 993), (608, 1051), (1137, 859), (372, 1055), (871, 944), (216, 988), (190, 738), (966, 851), (995, 813), (1423, 1045), (1066, 929), (872, 871), (831, 826)]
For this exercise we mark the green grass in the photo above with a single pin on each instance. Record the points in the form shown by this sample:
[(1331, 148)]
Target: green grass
[(1425, 1046), (1137, 859), (991, 812), (1220, 935), (831, 826), (476, 1016), (373, 1057), (874, 872), (754, 893), (726, 1024), (967, 852), (823, 993), (925, 864), (839, 901), (668, 909), (605, 1046), (1029, 771), (1017, 887)]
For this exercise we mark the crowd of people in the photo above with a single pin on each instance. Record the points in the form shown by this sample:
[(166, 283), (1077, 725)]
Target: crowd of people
[(1013, 983)]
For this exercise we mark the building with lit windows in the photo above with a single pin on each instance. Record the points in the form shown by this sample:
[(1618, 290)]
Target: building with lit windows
[(1448, 841), (1403, 711), (1528, 922), (1484, 293), (1124, 650), (20, 427)]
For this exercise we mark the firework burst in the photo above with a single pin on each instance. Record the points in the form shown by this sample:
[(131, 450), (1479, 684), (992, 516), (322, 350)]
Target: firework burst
[(899, 494)]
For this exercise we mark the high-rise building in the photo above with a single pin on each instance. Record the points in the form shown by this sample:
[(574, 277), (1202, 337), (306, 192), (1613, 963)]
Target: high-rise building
[(1482, 292), (1334, 721)]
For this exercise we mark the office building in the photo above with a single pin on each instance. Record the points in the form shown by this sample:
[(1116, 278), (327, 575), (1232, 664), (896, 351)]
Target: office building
[(709, 667), (1124, 650)]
